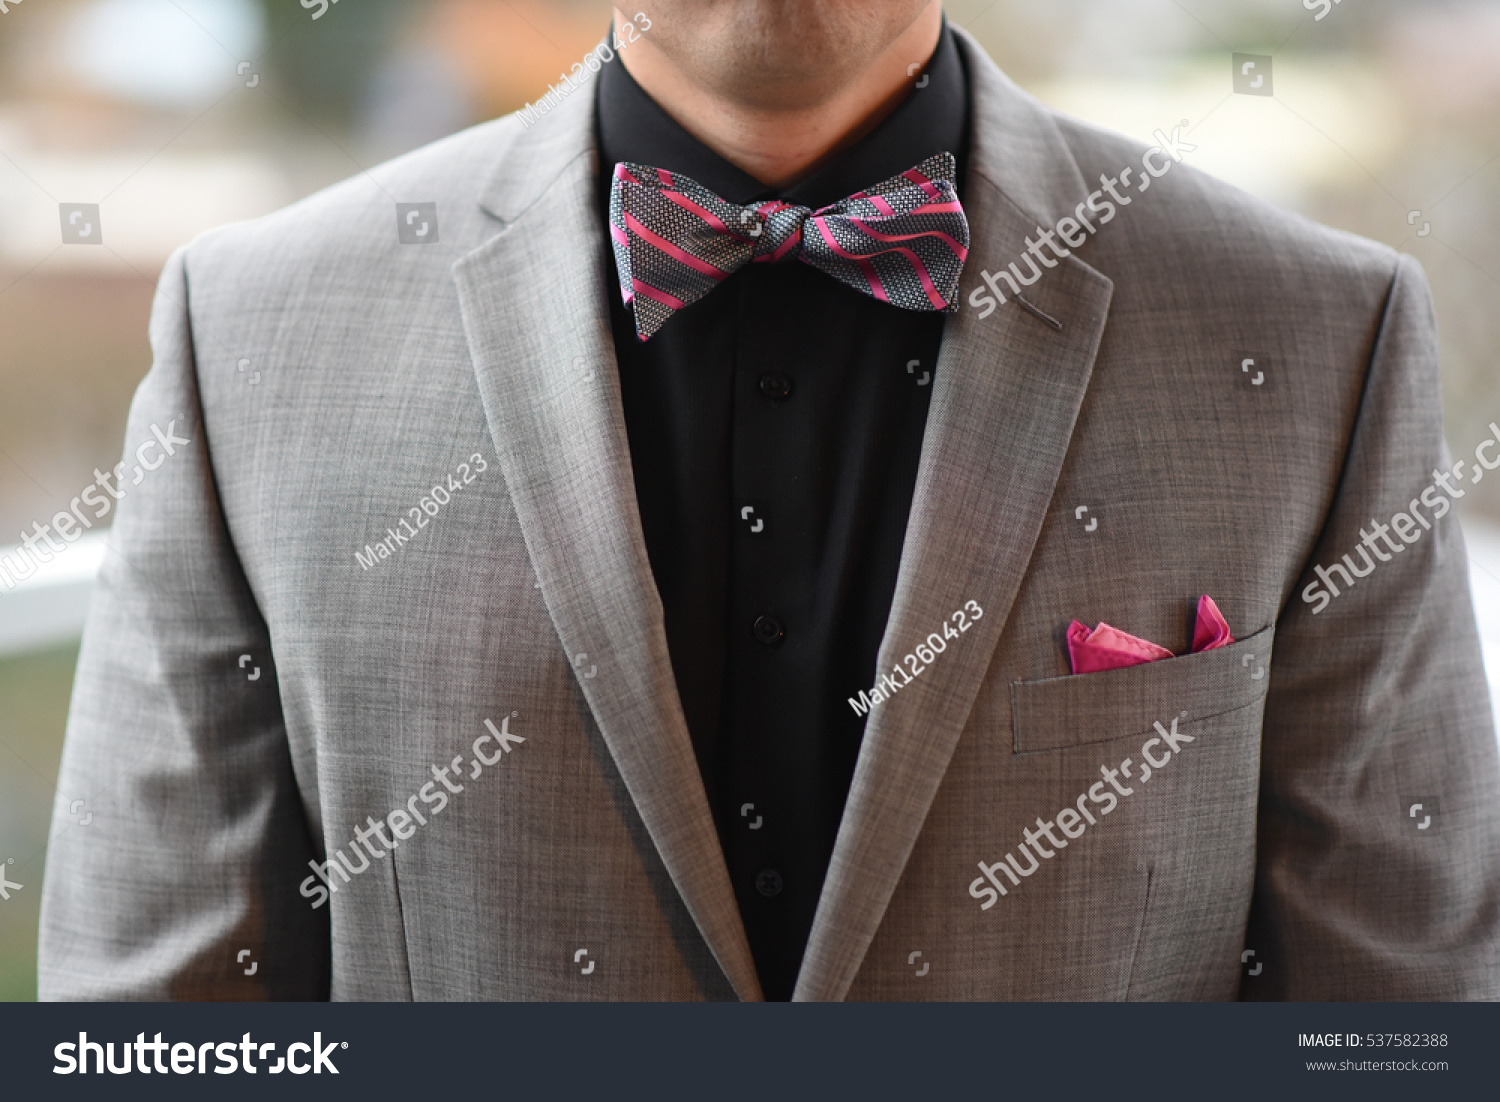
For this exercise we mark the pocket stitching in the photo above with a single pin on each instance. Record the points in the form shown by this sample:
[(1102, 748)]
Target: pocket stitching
[(1015, 703), (1128, 734)]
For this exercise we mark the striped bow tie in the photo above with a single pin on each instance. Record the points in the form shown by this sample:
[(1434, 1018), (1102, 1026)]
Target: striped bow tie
[(904, 241)]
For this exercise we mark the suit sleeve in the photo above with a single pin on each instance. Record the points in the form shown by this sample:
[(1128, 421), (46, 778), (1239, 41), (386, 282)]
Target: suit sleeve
[(1378, 704), (178, 887)]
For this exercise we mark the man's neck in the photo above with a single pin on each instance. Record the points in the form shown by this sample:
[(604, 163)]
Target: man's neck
[(779, 139)]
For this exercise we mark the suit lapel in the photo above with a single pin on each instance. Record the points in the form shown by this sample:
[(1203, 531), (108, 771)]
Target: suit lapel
[(538, 330), (1005, 396)]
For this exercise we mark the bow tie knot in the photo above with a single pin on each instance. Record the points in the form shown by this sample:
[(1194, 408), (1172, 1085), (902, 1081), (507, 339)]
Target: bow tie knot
[(904, 241)]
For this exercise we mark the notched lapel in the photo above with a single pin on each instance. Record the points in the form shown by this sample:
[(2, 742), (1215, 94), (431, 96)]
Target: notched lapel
[(1006, 394), (538, 330)]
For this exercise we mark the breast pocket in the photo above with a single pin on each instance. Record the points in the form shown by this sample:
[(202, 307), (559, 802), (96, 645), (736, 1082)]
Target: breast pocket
[(1060, 712)]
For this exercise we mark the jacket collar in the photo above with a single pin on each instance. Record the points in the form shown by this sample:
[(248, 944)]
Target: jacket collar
[(1006, 393), (537, 323)]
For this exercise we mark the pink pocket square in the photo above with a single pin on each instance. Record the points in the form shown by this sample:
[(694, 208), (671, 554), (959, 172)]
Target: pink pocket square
[(1109, 648)]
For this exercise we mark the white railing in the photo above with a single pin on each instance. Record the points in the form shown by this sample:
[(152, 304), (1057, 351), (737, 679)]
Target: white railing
[(47, 609), (1484, 583)]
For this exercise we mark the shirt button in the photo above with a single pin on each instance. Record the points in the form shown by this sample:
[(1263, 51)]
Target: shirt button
[(768, 882), (768, 630), (775, 386)]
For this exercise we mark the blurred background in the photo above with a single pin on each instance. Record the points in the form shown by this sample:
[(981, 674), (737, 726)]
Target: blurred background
[(178, 115)]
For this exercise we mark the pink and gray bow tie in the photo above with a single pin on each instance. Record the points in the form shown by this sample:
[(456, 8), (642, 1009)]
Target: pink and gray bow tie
[(903, 241)]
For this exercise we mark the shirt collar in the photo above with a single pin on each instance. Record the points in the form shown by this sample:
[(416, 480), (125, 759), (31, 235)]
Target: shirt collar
[(931, 119)]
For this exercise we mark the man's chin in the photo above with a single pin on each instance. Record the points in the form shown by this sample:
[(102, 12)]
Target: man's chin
[(779, 54)]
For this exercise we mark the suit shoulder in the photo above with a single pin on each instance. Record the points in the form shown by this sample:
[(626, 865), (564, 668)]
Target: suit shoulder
[(351, 222), (1187, 213)]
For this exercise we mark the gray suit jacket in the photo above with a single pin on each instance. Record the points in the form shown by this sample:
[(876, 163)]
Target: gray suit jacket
[(335, 382)]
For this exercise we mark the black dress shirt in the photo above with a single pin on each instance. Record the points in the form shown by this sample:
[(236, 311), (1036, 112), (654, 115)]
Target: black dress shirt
[(775, 428)]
